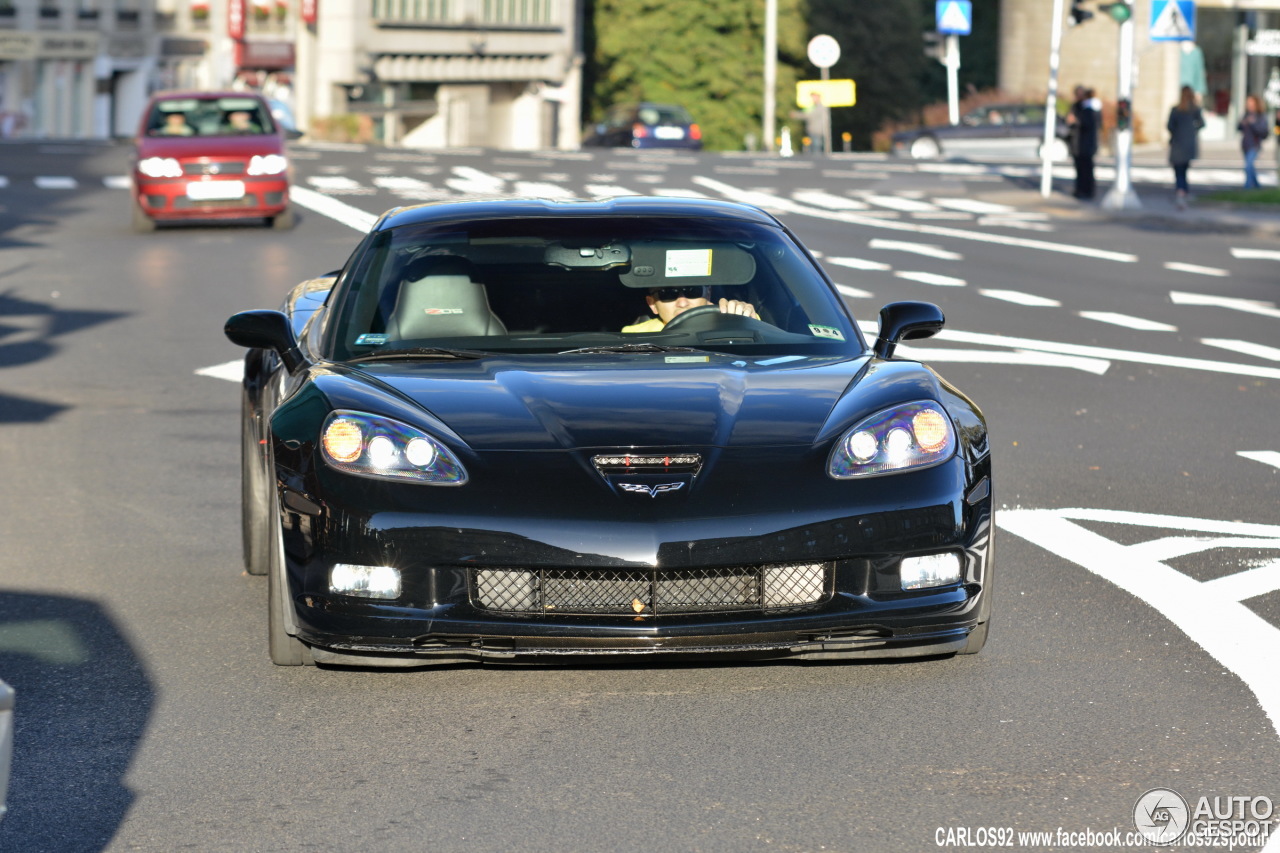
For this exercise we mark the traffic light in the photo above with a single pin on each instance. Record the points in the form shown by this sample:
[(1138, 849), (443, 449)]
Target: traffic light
[(934, 46), (1124, 114), (1119, 12), (1079, 14)]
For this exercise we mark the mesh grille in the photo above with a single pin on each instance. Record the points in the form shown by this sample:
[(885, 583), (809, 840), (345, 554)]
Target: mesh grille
[(650, 591)]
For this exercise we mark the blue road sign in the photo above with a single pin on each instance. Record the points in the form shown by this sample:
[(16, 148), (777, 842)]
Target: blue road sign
[(1173, 20), (955, 17)]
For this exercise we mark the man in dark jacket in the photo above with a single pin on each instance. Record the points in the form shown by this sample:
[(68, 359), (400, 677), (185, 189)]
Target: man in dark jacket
[(1083, 121)]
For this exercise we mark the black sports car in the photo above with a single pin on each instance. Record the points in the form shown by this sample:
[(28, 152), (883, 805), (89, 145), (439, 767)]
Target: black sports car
[(526, 429)]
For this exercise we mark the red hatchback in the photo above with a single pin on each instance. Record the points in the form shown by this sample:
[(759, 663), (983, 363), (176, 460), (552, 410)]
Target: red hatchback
[(210, 155)]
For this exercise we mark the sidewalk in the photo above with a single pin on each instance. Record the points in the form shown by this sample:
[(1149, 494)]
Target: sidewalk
[(1157, 202)]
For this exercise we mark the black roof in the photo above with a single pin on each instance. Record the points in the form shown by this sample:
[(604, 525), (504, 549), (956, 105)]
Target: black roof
[(508, 208)]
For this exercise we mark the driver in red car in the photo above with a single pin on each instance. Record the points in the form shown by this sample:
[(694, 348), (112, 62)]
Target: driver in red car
[(666, 303)]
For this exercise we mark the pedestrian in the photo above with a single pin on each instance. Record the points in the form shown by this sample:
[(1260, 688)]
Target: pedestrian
[(816, 120), (1082, 123), (1253, 131), (1185, 122)]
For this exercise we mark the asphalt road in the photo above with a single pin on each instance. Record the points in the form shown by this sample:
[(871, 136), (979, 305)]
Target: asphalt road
[(1131, 376)]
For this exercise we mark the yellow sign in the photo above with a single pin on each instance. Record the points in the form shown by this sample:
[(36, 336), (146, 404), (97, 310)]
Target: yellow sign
[(833, 93)]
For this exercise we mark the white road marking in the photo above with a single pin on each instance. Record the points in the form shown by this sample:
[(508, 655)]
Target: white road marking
[(352, 217), (1137, 323), (1255, 254), (472, 181), (1248, 584), (973, 205), (4, 182), (674, 192), (854, 292), (56, 182), (1019, 298), (1266, 457), (926, 249), (1249, 306), (930, 355), (789, 206), (1130, 356), (1208, 613), (115, 182), (1192, 268), (859, 264), (931, 278), (232, 371), (542, 189), (896, 202), (821, 198), (337, 185), (1245, 347), (608, 190)]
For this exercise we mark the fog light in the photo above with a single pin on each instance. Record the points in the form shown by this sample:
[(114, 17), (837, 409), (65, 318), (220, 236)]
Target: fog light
[(365, 581), (933, 570)]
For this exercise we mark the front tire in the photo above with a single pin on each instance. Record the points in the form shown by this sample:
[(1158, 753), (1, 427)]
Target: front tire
[(254, 494), (283, 221), (284, 648)]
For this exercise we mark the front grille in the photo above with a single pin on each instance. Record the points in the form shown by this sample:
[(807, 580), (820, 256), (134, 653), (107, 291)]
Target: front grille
[(214, 167), (650, 592), (183, 203), (650, 463)]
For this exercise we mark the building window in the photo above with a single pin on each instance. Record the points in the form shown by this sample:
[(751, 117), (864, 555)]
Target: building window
[(411, 11), (517, 12)]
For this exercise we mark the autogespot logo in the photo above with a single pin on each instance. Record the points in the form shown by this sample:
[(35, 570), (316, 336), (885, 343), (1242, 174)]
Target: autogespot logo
[(1161, 815)]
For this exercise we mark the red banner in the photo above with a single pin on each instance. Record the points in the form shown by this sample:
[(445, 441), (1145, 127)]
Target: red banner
[(310, 8), (235, 19)]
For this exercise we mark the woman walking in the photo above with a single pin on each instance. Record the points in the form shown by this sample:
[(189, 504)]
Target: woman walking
[(1185, 121), (1253, 130)]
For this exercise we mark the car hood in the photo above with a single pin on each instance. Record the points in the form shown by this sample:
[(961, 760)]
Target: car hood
[(184, 147), (497, 405)]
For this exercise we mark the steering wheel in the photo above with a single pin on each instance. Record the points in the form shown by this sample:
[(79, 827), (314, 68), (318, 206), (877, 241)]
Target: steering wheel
[(684, 316)]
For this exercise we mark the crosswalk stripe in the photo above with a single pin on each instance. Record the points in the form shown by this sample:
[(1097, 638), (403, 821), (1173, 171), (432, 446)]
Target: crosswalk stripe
[(1019, 298), (56, 182), (926, 249), (1136, 323), (931, 278), (1259, 350)]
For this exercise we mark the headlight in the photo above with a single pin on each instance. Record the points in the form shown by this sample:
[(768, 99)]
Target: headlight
[(267, 164), (160, 167), (913, 435), (374, 446)]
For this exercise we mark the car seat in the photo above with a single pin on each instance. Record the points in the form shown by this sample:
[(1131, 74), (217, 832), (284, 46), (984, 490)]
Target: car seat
[(439, 298)]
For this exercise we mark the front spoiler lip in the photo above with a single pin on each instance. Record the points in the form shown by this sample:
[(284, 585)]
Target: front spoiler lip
[(364, 652)]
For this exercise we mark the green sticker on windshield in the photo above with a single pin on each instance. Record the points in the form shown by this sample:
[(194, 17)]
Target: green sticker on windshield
[(826, 332)]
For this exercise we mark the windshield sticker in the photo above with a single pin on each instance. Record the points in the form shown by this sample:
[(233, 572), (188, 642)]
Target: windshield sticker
[(371, 340), (683, 263), (827, 332), (687, 359)]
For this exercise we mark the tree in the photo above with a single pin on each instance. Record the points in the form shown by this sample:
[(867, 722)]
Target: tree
[(706, 55)]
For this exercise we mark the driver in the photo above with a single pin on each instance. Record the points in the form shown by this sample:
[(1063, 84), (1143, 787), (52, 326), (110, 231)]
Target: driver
[(669, 302)]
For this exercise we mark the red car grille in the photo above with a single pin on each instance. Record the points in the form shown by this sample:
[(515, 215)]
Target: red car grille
[(214, 167)]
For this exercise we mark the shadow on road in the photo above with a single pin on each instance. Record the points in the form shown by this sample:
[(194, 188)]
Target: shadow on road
[(82, 705)]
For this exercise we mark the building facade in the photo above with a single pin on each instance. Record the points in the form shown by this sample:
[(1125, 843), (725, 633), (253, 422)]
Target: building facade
[(503, 74), (1231, 56)]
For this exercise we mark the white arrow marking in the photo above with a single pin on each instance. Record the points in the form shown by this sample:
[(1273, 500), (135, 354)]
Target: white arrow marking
[(1128, 322), (1235, 303), (1229, 631), (1245, 347)]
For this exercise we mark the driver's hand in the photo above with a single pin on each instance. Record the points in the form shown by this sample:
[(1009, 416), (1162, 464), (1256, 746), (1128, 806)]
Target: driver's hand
[(733, 306)]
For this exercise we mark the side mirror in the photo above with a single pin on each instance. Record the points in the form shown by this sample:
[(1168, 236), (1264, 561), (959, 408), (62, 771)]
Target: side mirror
[(292, 133), (906, 321), (268, 330)]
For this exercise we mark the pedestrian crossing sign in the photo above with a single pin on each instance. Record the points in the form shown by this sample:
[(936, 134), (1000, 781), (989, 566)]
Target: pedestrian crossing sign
[(955, 17), (1173, 20)]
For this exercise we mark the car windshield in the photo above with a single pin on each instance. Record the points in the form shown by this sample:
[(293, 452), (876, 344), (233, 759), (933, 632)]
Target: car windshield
[(663, 114), (220, 116), (580, 285)]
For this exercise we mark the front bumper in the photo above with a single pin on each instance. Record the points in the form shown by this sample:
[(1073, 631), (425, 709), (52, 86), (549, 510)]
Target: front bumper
[(442, 616), (169, 199)]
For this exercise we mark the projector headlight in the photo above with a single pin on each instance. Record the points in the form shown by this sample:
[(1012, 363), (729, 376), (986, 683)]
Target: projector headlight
[(913, 435), (160, 167), (374, 446), (267, 164)]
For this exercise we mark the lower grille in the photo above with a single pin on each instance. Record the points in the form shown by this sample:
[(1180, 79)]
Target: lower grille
[(213, 167), (183, 203), (650, 592)]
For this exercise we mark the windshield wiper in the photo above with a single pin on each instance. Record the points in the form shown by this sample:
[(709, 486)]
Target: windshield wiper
[(415, 353), (629, 348)]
